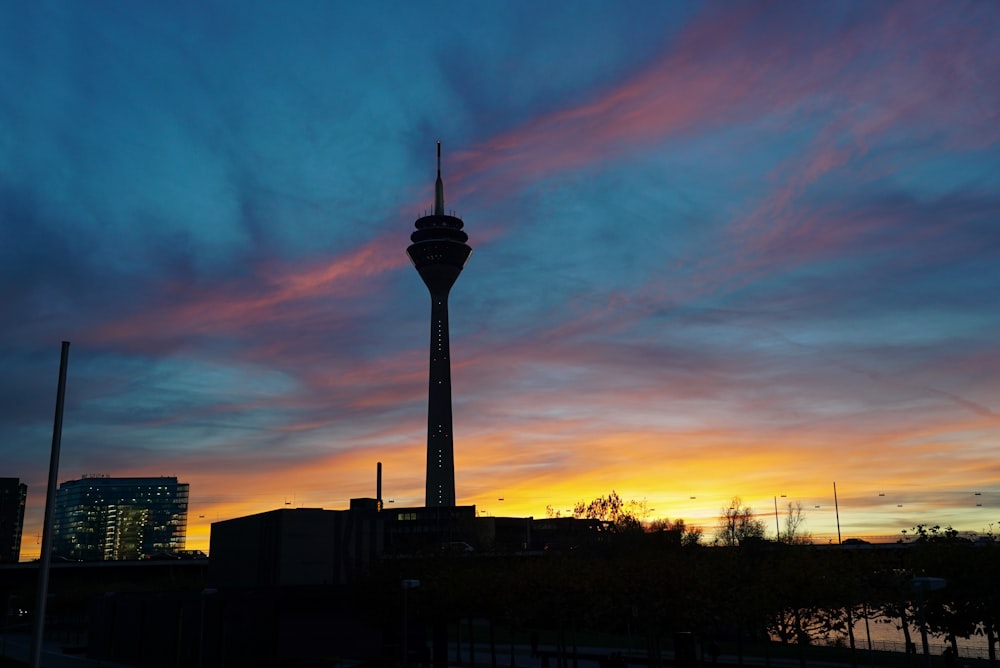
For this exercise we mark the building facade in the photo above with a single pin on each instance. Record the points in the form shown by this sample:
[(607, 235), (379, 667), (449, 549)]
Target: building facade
[(100, 518), (13, 494)]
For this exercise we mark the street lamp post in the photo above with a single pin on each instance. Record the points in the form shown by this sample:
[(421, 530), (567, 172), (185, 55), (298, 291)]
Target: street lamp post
[(836, 507), (45, 558), (777, 527)]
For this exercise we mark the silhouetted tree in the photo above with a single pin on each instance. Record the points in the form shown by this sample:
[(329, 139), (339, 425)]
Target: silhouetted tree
[(737, 523), (689, 535), (955, 611), (795, 519), (612, 512)]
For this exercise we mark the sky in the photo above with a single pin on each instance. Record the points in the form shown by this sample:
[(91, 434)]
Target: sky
[(722, 249)]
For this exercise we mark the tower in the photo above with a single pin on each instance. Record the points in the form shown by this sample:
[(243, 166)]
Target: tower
[(439, 251)]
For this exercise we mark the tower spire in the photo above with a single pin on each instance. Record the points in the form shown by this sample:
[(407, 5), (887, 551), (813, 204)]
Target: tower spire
[(439, 188)]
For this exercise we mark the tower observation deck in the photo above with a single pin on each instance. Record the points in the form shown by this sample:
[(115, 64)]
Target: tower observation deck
[(439, 251)]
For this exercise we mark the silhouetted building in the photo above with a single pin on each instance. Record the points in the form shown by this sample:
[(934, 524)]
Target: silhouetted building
[(311, 546), (13, 494), (100, 518), (439, 251), (295, 546), (429, 530)]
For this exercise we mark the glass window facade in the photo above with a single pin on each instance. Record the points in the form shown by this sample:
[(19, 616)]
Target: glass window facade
[(99, 518)]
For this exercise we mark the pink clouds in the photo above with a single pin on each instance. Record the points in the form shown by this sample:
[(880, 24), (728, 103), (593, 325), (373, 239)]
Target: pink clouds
[(186, 311), (924, 86), (726, 67), (687, 88), (892, 70)]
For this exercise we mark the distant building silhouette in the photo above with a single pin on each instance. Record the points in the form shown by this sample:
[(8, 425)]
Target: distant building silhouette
[(439, 251), (313, 546), (100, 518), (13, 494), (294, 546)]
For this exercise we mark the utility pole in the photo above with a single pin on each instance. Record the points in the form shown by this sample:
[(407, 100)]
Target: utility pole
[(836, 507), (50, 499)]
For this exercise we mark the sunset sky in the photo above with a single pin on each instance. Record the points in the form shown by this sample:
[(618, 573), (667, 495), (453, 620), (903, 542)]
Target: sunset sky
[(731, 249)]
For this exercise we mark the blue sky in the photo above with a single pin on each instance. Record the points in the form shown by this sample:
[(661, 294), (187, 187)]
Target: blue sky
[(719, 250)]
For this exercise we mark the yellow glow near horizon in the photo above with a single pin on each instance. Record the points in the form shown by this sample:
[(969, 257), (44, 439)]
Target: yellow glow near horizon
[(673, 478)]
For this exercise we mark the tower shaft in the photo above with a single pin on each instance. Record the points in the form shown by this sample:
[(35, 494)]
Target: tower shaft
[(440, 480)]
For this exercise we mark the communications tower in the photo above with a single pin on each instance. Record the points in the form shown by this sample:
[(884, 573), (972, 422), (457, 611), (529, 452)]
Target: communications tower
[(439, 251)]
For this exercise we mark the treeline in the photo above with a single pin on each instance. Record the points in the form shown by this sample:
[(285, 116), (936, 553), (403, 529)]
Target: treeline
[(653, 584)]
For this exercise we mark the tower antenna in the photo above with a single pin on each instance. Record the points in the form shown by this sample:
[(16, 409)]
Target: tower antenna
[(439, 188)]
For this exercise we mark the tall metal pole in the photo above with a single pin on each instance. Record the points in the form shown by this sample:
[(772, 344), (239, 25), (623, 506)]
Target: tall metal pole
[(836, 507), (777, 527), (50, 497)]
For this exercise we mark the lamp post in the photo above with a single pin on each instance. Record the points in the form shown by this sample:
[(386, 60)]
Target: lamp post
[(45, 558), (836, 507), (777, 527)]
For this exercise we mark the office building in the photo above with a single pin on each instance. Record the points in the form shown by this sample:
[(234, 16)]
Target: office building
[(439, 252), (100, 518), (13, 494)]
